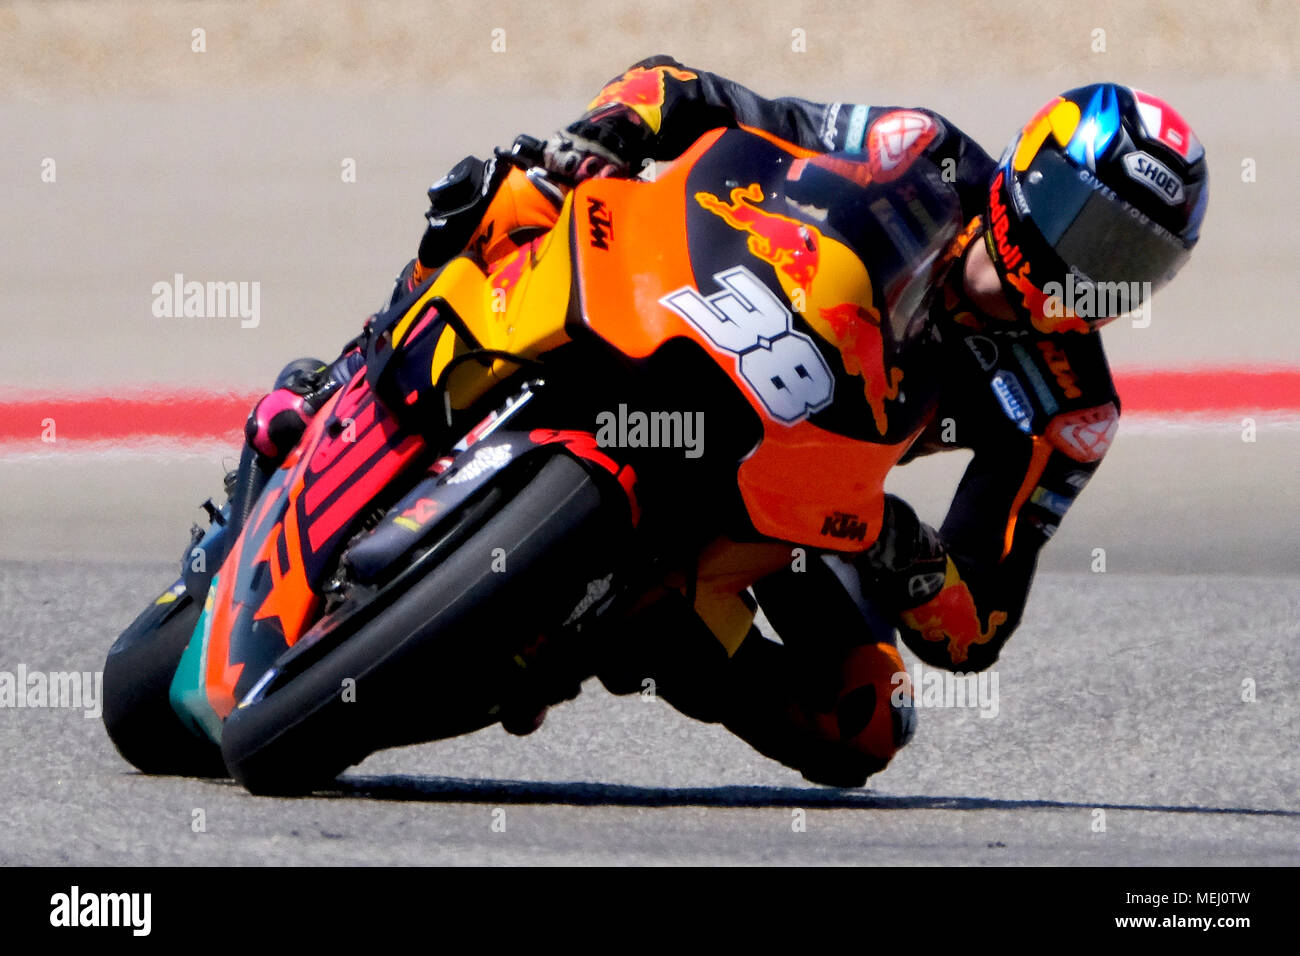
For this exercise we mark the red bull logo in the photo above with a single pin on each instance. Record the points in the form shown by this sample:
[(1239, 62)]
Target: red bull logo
[(787, 244), (641, 89), (507, 273), (1046, 319), (855, 331), (957, 248), (951, 616), (1009, 254)]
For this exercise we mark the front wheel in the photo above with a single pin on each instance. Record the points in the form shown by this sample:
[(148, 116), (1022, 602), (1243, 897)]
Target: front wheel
[(137, 680), (434, 663)]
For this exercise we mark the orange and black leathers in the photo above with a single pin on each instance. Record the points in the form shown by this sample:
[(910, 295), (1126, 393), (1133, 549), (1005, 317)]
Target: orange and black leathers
[(1038, 411), (671, 106), (1037, 408)]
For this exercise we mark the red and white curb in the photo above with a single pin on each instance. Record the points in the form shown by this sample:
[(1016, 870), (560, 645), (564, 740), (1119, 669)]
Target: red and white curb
[(184, 423)]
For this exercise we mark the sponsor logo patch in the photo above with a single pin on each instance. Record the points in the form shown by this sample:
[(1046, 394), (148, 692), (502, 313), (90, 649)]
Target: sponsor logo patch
[(596, 591), (857, 130), (1008, 252), (828, 125), (1077, 479), (418, 515), (1155, 175), (1060, 366), (1085, 435), (1011, 396), (485, 460), (984, 349), (925, 585), (1036, 381), (895, 140), (643, 91), (1056, 504)]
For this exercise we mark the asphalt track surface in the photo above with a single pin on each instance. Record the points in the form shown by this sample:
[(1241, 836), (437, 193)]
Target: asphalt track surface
[(1122, 692), (1120, 697), (1121, 704)]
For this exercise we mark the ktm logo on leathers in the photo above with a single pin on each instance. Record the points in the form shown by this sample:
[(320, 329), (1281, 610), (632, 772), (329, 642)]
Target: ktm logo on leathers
[(1060, 366)]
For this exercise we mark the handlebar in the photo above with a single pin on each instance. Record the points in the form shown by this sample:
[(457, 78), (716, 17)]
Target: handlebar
[(526, 152)]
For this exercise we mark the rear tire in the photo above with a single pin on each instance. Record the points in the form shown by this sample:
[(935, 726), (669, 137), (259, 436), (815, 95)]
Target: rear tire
[(433, 664), (137, 680)]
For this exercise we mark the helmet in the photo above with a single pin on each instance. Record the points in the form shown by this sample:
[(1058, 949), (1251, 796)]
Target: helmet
[(1095, 204)]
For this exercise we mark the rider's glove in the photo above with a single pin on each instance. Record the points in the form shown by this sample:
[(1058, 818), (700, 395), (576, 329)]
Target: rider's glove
[(610, 141), (573, 159)]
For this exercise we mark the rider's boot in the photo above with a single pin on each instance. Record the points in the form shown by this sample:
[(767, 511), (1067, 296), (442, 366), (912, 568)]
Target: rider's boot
[(838, 734)]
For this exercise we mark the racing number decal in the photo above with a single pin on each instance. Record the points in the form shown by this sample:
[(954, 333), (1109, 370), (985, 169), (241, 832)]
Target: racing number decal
[(783, 367)]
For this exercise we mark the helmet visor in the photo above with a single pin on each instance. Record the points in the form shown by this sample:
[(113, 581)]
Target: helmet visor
[(1092, 229)]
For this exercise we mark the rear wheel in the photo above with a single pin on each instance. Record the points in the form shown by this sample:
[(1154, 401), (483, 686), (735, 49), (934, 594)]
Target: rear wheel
[(137, 679), (434, 663)]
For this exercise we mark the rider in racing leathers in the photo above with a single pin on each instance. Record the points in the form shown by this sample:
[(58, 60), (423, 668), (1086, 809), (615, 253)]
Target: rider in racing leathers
[(1105, 185)]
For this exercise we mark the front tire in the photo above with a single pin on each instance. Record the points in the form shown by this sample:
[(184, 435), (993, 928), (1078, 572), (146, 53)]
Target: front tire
[(433, 664), (138, 714)]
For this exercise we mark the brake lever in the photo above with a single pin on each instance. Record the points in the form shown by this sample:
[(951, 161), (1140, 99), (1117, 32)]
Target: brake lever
[(529, 154), (525, 153)]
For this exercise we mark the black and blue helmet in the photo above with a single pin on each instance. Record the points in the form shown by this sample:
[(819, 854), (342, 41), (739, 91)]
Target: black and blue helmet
[(1095, 204)]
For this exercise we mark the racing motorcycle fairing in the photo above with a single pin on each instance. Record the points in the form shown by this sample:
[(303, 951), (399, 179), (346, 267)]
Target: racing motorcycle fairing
[(515, 309), (268, 588), (718, 252), (429, 521)]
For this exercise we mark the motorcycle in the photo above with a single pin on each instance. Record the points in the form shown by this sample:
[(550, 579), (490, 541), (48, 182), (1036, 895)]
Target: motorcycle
[(518, 474)]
